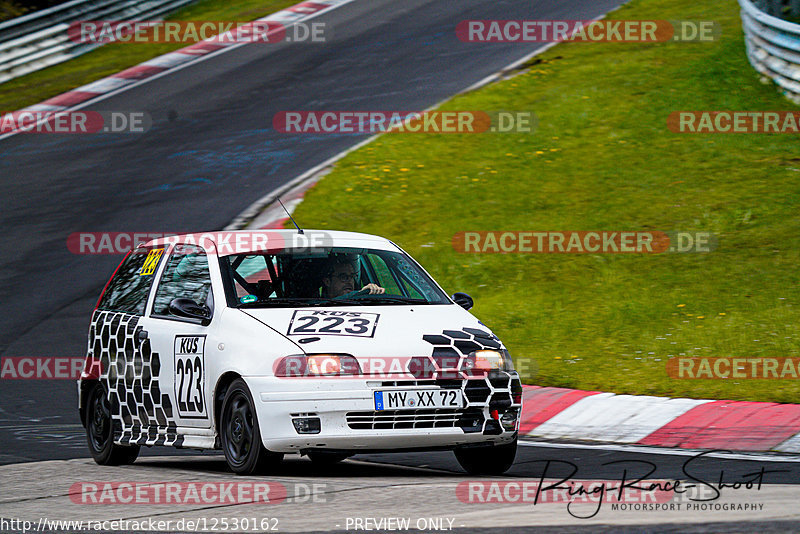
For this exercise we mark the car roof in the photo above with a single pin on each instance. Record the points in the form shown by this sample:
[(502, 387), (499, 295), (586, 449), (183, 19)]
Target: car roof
[(228, 242)]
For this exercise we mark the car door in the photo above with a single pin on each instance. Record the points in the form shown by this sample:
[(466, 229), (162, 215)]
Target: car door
[(183, 342), (118, 343)]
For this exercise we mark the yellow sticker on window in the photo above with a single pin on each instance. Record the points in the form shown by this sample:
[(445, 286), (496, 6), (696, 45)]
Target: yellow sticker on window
[(151, 262)]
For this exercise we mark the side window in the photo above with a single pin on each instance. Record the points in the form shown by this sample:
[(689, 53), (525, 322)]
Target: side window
[(384, 277), (415, 284), (411, 290), (253, 272), (397, 277), (127, 292), (186, 275)]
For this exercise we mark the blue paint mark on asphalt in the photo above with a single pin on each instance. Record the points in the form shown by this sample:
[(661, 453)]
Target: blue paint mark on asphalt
[(191, 184)]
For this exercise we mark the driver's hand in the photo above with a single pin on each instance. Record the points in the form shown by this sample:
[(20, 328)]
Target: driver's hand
[(374, 289)]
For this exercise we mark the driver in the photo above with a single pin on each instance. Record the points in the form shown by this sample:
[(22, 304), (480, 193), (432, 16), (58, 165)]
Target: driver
[(340, 279)]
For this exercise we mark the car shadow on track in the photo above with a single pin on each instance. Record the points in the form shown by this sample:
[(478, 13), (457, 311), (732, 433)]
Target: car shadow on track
[(301, 467)]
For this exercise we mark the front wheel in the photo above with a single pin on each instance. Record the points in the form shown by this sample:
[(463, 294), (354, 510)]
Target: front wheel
[(240, 434), (487, 460), (99, 432)]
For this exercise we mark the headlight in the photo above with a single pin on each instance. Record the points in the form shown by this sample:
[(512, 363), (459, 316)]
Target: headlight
[(487, 360), (300, 365)]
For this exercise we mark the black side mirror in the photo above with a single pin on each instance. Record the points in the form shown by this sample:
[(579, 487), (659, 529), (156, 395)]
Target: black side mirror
[(190, 309), (463, 300)]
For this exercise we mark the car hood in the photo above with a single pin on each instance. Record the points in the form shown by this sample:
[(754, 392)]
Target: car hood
[(390, 330)]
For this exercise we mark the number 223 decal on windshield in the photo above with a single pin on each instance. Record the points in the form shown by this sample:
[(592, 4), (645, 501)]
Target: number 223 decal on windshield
[(333, 323)]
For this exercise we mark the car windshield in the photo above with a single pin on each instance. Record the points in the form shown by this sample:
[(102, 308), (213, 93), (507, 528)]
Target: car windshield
[(328, 277)]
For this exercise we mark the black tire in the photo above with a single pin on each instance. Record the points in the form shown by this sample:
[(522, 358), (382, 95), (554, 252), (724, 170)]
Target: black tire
[(99, 432), (489, 460), (240, 435), (325, 458)]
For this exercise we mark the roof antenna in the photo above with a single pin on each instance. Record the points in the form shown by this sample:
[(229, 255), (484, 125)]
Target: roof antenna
[(299, 230)]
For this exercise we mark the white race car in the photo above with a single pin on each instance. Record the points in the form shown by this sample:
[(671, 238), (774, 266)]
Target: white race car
[(263, 343)]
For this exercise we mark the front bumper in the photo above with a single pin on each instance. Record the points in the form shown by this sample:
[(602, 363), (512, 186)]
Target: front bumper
[(349, 421)]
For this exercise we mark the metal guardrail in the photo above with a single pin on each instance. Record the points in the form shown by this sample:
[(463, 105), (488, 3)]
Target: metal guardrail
[(779, 8), (40, 39), (773, 48)]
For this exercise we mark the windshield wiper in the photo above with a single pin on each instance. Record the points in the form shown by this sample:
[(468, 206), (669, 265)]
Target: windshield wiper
[(272, 302), (323, 301), (299, 302), (371, 300), (384, 299)]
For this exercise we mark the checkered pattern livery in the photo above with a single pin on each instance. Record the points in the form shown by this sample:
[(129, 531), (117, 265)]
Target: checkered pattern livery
[(142, 414), (452, 343), (445, 367), (495, 391)]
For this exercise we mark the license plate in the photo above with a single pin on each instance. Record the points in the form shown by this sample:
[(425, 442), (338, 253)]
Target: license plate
[(415, 399)]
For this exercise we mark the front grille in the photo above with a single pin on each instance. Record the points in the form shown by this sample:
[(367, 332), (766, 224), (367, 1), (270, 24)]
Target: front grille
[(495, 391), (389, 419)]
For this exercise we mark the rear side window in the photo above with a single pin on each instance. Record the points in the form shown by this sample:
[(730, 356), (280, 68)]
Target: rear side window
[(185, 276), (254, 270), (127, 292)]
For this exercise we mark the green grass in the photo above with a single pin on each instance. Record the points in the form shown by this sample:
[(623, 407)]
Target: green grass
[(111, 58), (603, 159)]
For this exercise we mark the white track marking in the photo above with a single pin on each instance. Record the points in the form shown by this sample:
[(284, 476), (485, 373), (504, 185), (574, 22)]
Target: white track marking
[(609, 417), (643, 449), (790, 445)]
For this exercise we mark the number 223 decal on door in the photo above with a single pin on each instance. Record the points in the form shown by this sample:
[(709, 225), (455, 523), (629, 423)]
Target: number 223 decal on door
[(333, 323), (190, 376)]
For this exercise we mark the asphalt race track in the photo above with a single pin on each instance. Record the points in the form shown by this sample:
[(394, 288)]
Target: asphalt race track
[(211, 152), (422, 487)]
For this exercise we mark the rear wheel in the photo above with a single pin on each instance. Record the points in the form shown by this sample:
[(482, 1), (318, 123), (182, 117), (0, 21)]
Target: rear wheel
[(487, 460), (240, 435), (99, 432)]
